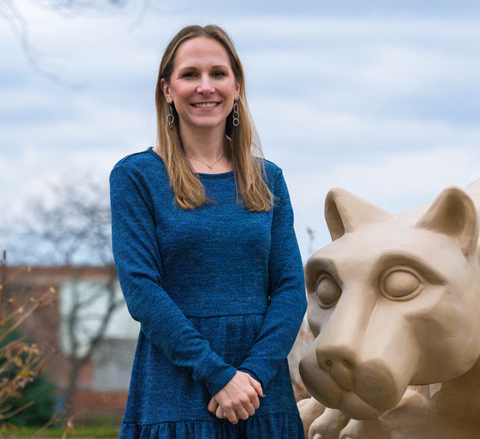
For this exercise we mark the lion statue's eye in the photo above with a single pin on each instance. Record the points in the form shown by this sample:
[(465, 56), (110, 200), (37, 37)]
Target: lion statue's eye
[(328, 291), (401, 283)]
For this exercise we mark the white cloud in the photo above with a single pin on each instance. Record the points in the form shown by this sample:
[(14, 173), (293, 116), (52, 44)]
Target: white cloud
[(394, 181), (384, 107), (311, 131)]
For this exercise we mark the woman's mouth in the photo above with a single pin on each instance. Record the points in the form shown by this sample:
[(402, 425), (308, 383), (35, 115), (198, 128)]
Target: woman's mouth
[(205, 104)]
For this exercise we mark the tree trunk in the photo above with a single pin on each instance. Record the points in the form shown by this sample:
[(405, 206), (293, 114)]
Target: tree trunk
[(70, 407)]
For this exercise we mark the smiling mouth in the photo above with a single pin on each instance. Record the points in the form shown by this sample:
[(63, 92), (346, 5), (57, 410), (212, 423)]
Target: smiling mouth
[(206, 105)]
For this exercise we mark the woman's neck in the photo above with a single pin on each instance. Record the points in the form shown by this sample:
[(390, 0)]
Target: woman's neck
[(206, 150)]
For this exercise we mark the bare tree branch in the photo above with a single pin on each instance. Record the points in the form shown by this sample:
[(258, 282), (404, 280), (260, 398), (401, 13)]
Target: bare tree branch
[(72, 222), (19, 27), (18, 24)]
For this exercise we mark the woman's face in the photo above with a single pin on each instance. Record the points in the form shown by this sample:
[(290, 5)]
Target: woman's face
[(202, 84)]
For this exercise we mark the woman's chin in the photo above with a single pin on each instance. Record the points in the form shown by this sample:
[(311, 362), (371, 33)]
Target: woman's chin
[(206, 123)]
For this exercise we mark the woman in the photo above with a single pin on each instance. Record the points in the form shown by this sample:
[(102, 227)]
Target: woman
[(207, 259)]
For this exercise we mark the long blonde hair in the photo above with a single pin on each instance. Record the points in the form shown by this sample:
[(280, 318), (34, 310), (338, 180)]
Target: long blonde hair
[(245, 151)]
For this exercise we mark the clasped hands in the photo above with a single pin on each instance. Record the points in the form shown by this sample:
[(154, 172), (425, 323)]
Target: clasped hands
[(238, 399)]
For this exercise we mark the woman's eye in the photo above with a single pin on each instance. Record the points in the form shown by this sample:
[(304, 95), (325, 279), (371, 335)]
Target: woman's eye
[(218, 74), (189, 75), (328, 291), (401, 283)]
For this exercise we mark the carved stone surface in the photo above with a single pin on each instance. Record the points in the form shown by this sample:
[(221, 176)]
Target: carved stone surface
[(394, 301)]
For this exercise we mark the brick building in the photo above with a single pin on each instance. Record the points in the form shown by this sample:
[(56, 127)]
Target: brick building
[(103, 381)]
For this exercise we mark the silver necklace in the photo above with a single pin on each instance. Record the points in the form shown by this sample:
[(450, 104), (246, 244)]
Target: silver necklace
[(208, 166)]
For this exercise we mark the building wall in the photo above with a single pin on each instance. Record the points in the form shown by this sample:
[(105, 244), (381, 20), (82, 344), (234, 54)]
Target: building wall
[(103, 381), (113, 364)]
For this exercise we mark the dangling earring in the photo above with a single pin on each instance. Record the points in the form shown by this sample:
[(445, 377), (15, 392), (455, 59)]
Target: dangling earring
[(236, 120), (170, 117)]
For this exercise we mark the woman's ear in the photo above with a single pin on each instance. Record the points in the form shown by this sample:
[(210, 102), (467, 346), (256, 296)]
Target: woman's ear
[(237, 90), (166, 90)]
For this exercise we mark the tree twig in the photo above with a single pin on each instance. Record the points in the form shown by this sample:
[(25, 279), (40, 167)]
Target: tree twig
[(2, 285)]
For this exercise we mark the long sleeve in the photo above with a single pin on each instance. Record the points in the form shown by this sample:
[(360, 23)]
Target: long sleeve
[(139, 267), (287, 299)]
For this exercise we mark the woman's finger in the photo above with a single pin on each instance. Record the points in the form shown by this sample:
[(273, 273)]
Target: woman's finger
[(256, 385), (219, 413), (212, 406), (231, 415), (250, 409), (242, 413)]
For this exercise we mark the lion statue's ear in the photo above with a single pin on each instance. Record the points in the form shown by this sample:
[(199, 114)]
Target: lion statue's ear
[(345, 213), (453, 213)]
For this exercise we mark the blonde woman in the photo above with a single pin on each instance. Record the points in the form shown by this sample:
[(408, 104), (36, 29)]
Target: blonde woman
[(207, 258)]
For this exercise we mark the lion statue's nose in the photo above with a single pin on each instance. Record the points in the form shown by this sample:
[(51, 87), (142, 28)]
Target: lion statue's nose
[(339, 364)]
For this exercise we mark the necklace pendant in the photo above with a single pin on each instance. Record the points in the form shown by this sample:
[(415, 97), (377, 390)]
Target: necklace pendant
[(208, 166)]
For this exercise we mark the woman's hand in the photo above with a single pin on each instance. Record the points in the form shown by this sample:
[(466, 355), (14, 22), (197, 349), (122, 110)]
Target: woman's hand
[(238, 399)]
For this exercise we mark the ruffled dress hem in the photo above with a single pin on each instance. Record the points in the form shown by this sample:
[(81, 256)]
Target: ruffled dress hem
[(283, 425)]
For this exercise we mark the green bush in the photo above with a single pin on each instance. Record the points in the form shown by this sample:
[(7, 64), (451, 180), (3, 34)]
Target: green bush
[(39, 392)]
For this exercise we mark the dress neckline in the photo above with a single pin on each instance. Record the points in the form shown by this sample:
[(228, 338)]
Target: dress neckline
[(200, 174)]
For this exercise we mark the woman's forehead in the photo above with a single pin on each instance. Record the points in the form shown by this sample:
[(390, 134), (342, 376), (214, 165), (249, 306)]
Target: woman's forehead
[(199, 51)]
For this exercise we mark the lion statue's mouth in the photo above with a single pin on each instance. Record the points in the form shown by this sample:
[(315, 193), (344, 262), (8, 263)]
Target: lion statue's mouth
[(366, 391)]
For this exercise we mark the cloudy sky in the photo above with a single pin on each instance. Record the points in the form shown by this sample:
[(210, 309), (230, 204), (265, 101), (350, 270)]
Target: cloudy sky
[(380, 98)]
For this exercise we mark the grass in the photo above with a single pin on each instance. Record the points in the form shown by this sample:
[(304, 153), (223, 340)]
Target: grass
[(92, 426), (56, 432)]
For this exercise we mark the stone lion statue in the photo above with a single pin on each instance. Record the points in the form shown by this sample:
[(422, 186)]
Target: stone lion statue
[(394, 302)]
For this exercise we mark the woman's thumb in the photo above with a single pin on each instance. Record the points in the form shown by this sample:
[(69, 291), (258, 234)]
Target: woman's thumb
[(257, 386)]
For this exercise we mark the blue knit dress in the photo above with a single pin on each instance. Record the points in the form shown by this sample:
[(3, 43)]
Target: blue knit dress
[(216, 289)]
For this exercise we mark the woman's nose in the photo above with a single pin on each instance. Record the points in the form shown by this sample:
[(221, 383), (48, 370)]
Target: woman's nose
[(206, 87)]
